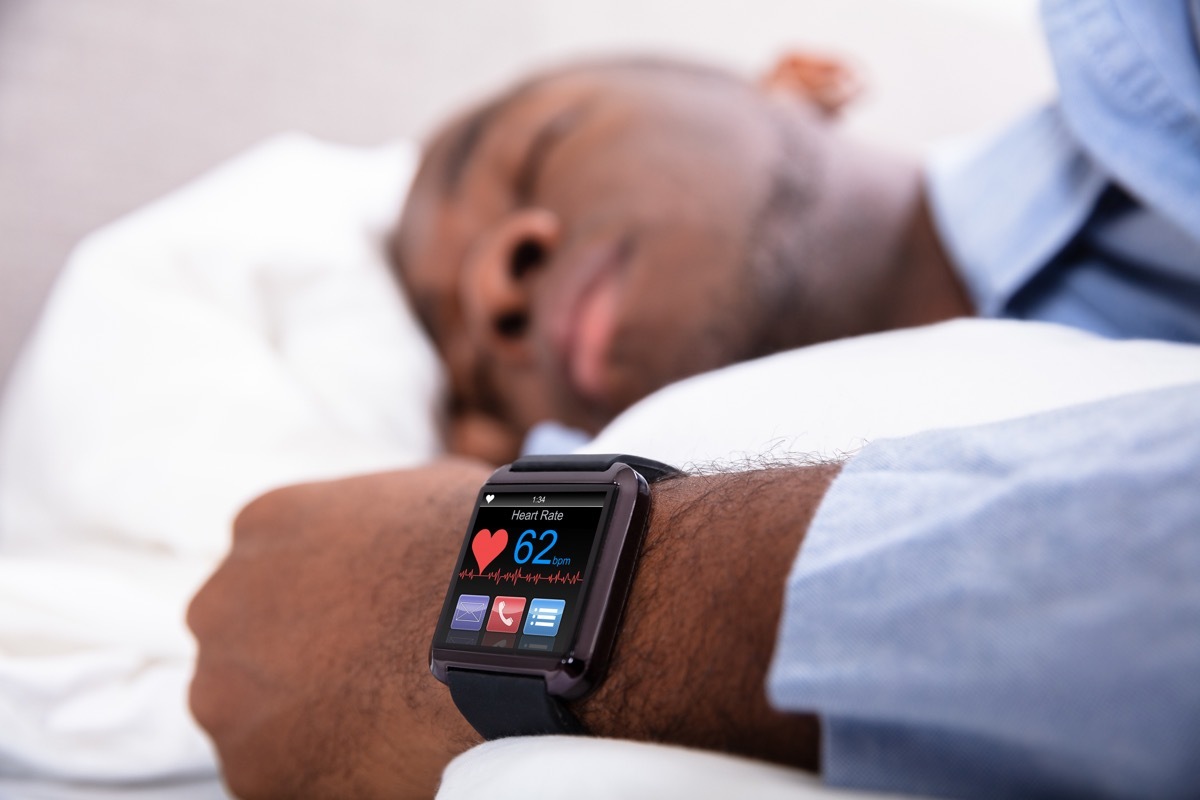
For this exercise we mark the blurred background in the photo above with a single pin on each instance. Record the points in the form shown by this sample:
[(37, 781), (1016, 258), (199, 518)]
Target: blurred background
[(105, 106)]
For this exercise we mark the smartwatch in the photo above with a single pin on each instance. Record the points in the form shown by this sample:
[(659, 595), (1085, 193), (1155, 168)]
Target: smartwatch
[(536, 596)]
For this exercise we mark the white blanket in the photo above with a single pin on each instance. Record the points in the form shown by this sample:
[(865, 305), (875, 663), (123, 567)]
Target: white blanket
[(244, 333)]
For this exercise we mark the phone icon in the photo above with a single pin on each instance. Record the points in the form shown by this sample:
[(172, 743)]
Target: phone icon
[(506, 614)]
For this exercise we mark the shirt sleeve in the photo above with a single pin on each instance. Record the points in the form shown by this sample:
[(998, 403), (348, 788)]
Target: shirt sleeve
[(1084, 213), (1008, 610)]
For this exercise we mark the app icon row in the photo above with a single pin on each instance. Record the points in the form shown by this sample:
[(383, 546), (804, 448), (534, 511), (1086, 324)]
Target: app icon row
[(542, 618), (538, 644)]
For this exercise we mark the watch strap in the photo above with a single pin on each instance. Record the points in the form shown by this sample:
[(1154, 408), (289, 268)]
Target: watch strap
[(649, 469), (509, 705)]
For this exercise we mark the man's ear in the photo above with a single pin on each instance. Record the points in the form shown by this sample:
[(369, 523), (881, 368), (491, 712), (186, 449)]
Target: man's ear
[(824, 81)]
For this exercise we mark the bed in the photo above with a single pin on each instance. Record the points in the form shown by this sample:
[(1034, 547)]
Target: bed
[(243, 332)]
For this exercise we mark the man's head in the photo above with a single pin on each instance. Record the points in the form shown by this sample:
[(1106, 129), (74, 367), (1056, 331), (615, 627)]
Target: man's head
[(601, 231)]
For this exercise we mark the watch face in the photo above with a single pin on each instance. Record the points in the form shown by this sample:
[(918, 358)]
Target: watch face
[(524, 572)]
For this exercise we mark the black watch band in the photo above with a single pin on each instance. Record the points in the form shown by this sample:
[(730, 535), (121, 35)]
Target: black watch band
[(499, 705), (649, 469), (509, 705)]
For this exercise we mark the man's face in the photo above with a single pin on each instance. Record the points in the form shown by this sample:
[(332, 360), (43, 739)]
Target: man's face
[(583, 242)]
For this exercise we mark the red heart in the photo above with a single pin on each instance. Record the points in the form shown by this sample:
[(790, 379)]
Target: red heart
[(487, 545)]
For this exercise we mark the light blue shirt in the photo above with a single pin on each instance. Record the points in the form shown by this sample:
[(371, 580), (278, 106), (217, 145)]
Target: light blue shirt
[(1011, 610), (1014, 610), (1088, 212)]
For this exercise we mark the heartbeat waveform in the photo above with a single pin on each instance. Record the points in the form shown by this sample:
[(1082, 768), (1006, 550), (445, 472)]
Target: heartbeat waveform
[(517, 575)]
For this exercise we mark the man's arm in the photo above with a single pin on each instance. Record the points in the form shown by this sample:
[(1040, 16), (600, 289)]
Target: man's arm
[(1005, 608), (691, 661), (313, 671)]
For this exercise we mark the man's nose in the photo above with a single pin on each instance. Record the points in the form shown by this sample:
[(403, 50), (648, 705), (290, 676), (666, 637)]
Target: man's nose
[(498, 280)]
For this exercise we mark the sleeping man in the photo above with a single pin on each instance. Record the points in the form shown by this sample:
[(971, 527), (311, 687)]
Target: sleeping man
[(599, 232), (1003, 610)]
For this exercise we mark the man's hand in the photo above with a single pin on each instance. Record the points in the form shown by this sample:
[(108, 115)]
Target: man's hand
[(313, 673)]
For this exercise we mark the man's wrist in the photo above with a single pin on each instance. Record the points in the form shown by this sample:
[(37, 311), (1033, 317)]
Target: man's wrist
[(700, 625)]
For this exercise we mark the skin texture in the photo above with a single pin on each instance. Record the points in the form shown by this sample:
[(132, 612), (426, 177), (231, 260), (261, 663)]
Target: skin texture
[(602, 231), (313, 673)]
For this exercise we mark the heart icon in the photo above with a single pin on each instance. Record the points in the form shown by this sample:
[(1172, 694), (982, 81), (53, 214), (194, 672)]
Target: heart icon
[(487, 545), (490, 497)]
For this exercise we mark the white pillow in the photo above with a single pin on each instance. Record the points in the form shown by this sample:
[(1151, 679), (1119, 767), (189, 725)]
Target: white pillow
[(239, 334)]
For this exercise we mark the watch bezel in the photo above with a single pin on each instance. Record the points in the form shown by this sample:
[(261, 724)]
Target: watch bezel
[(573, 674)]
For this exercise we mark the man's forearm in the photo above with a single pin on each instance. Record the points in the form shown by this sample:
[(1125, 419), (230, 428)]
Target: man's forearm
[(313, 671), (700, 626)]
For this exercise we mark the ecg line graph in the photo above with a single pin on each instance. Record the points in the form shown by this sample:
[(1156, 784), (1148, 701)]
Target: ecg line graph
[(517, 575)]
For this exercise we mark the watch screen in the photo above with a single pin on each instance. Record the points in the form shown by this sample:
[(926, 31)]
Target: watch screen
[(522, 577)]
